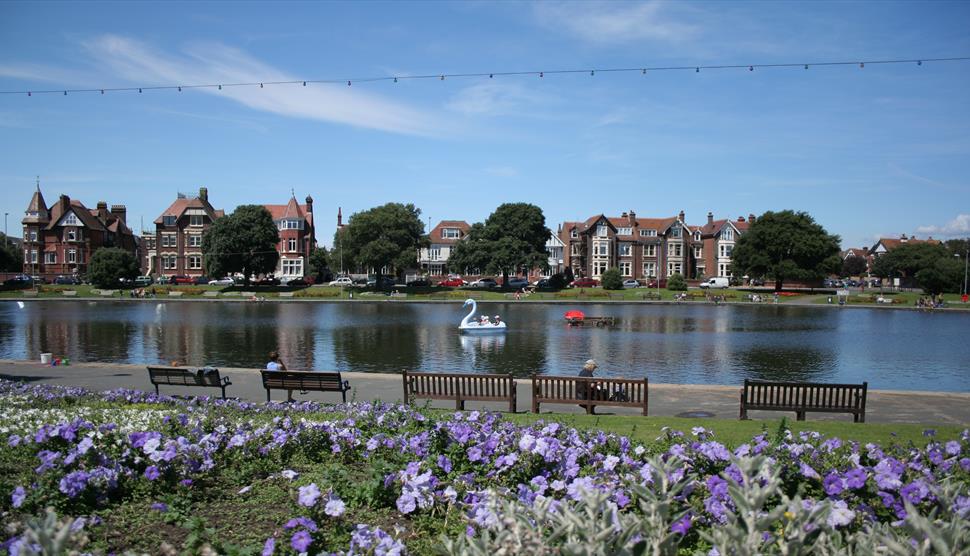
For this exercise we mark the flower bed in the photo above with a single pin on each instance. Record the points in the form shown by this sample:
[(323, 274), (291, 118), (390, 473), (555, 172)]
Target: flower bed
[(130, 470)]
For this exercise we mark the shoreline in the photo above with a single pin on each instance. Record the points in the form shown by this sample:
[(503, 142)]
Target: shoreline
[(791, 303)]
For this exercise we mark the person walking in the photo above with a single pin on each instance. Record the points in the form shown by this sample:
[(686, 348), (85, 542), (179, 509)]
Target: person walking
[(275, 364)]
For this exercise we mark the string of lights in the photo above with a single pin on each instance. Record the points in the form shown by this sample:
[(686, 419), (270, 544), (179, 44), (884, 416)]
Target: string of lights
[(491, 75)]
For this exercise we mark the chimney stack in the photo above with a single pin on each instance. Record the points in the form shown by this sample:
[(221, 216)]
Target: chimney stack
[(740, 219), (204, 194), (903, 238), (102, 206), (681, 216), (710, 217), (121, 212), (65, 203), (309, 204), (340, 218), (624, 215)]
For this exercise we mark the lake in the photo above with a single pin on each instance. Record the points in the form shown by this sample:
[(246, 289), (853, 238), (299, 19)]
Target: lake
[(688, 344)]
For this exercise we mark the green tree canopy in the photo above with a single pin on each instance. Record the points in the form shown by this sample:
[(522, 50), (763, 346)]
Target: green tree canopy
[(109, 265), (244, 241), (786, 245), (11, 258), (512, 238), (612, 280), (907, 259), (319, 263), (853, 266), (387, 236), (676, 282), (943, 275)]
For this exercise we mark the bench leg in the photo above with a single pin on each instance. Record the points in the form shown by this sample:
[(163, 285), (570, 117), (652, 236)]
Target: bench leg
[(859, 417), (156, 390), (460, 404), (343, 394), (267, 395), (799, 415)]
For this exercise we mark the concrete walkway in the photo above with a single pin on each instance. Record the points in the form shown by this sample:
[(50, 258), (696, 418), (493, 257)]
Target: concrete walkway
[(665, 399)]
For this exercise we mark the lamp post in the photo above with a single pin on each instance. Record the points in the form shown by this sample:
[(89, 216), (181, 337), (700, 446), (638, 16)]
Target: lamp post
[(5, 240)]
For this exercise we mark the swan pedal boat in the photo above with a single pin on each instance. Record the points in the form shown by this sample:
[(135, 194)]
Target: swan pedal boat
[(470, 325)]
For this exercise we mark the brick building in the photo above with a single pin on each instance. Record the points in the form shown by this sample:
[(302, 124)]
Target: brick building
[(176, 248), (433, 259), (714, 243), (60, 239), (297, 237)]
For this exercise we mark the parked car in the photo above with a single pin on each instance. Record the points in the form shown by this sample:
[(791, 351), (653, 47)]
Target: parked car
[(631, 283), (342, 282), (181, 280), (543, 284), (654, 283), (67, 281), (384, 282), (201, 280), (298, 282), (484, 283), (268, 281), (20, 281), (222, 282), (757, 282), (721, 282), (38, 279), (517, 283), (452, 283), (584, 283), (143, 281), (419, 283)]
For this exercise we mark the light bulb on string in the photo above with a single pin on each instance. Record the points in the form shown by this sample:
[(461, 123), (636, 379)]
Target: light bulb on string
[(260, 85), (490, 75), (139, 89), (806, 66), (541, 74), (643, 71), (65, 93), (592, 73), (102, 91), (180, 89), (348, 83), (442, 78), (750, 68), (862, 65), (919, 63), (28, 93), (304, 83), (697, 70), (220, 87), (395, 80)]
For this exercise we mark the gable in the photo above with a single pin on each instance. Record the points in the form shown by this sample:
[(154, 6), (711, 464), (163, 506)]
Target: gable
[(69, 219)]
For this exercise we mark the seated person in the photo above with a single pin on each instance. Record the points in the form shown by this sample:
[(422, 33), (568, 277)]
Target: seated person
[(497, 321), (585, 390)]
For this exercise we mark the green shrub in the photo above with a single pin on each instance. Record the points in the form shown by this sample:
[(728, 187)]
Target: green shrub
[(676, 283), (319, 292), (612, 280)]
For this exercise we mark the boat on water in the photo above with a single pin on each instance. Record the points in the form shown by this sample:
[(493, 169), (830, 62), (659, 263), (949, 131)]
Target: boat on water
[(470, 325)]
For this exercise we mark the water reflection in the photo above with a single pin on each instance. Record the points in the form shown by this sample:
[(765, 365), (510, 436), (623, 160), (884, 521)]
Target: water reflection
[(667, 343)]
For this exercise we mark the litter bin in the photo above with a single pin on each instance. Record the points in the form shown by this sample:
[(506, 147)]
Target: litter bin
[(45, 358)]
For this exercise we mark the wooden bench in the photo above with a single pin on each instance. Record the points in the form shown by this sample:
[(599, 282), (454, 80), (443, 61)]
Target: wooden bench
[(573, 389), (305, 381), (29, 293), (185, 376), (460, 388), (802, 397), (69, 293), (649, 295)]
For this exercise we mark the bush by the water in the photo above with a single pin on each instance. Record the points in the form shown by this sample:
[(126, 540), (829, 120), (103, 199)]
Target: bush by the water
[(612, 280), (126, 470), (676, 282)]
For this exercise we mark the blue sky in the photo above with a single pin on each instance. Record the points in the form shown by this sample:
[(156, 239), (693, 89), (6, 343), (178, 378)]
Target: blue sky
[(869, 152)]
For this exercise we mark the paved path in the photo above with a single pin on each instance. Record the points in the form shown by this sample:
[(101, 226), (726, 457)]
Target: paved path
[(665, 399)]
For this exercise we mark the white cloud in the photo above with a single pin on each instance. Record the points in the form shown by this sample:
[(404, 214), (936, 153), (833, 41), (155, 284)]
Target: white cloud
[(609, 22), (217, 63), (493, 98), (503, 171), (959, 226)]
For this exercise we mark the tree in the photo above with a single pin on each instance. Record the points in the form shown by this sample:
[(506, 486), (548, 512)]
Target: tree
[(109, 265), (853, 266), (786, 245), (11, 258), (907, 259), (244, 241), (676, 282), (945, 274), (512, 238), (612, 280), (319, 263), (384, 236)]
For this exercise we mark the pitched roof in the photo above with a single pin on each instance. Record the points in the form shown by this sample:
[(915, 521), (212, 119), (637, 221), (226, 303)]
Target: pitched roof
[(82, 213), (291, 210), (890, 243), (37, 205), (855, 252), (178, 208), (435, 234)]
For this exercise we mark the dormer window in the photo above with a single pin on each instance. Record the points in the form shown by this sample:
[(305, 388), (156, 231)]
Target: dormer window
[(624, 231), (70, 234), (168, 220), (450, 233), (648, 232), (573, 234), (601, 231), (675, 231), (70, 220), (697, 236), (727, 234), (195, 220)]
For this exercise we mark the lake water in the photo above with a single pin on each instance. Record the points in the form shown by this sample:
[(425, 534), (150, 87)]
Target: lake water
[(689, 344)]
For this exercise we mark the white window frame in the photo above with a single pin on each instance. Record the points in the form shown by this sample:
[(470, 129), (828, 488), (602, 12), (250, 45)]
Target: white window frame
[(435, 254), (727, 234), (626, 250), (71, 220), (650, 270), (450, 233), (650, 250), (676, 249), (168, 220), (291, 267), (72, 256), (626, 268), (196, 221), (648, 232), (602, 231), (698, 252), (675, 231), (599, 267), (291, 245), (624, 231), (50, 257), (573, 233), (195, 262), (195, 240), (169, 240), (601, 249), (574, 250)]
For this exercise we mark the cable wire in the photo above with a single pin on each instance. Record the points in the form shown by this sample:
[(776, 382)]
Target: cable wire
[(491, 75)]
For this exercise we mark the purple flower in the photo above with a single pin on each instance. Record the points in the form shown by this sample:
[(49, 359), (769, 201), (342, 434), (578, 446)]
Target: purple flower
[(444, 463), (406, 503), (855, 478), (807, 471), (301, 541), (160, 507), (151, 473), (833, 484), (914, 492), (682, 525), (304, 522), (953, 448), (309, 495), (74, 483), (18, 496), (840, 515), (335, 506), (269, 547)]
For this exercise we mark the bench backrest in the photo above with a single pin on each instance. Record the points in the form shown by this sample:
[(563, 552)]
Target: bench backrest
[(807, 395), (183, 375), (570, 388), (302, 380), (453, 385)]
